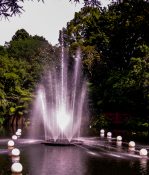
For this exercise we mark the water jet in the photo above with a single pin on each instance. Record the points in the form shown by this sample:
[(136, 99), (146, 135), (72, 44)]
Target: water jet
[(61, 102)]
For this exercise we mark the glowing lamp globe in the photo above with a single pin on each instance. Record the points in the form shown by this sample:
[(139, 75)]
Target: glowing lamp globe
[(131, 144), (143, 152), (14, 137), (119, 138), (19, 130), (10, 143), (109, 134), (16, 168), (18, 133), (15, 152), (102, 131)]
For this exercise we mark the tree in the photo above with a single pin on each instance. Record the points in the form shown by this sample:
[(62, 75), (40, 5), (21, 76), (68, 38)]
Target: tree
[(114, 43), (93, 3), (20, 35), (130, 26), (2, 50), (23, 62), (9, 8)]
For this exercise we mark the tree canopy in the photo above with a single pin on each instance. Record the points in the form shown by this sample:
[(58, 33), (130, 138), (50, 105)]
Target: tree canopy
[(23, 62), (115, 50)]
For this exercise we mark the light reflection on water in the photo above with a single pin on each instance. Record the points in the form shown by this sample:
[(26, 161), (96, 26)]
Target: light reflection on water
[(56, 160), (93, 157)]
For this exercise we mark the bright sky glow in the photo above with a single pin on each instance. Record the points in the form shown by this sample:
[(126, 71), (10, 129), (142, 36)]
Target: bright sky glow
[(43, 19)]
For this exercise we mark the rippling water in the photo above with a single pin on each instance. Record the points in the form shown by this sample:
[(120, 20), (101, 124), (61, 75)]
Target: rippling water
[(95, 156)]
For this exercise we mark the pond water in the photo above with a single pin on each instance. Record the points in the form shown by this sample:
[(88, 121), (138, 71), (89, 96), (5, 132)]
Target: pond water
[(94, 156)]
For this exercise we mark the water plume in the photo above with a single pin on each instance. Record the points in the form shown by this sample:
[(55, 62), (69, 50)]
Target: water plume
[(61, 100)]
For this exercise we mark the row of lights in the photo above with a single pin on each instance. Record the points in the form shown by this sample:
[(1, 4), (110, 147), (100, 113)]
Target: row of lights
[(16, 167), (143, 152)]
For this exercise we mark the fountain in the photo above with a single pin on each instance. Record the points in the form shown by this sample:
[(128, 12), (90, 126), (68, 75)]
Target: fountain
[(60, 102)]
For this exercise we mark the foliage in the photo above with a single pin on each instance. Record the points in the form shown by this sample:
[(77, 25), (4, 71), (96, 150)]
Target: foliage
[(100, 122), (10, 8), (22, 64), (89, 2), (138, 124), (115, 50), (1, 121)]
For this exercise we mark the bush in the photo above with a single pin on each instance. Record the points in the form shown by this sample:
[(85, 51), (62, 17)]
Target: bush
[(100, 122)]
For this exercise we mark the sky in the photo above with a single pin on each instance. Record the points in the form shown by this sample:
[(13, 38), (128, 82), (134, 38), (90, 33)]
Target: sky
[(42, 19)]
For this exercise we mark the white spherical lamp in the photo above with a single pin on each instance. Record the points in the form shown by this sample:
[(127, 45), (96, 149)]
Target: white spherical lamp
[(14, 137), (10, 143), (102, 131), (109, 134), (19, 130), (119, 138), (143, 152), (15, 152), (16, 168), (132, 144), (18, 133)]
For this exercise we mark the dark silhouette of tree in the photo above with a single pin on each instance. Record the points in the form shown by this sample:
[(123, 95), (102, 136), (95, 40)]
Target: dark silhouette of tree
[(20, 34), (9, 8), (94, 3)]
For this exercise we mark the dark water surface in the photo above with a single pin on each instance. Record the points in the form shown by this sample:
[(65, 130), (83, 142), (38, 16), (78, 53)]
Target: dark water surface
[(95, 156)]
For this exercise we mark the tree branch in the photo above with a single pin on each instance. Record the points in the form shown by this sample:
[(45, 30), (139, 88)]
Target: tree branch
[(9, 8)]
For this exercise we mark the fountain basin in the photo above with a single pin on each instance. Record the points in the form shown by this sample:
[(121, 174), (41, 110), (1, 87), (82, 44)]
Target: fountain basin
[(62, 142)]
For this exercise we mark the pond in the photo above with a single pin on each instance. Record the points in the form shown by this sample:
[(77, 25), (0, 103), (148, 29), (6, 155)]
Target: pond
[(93, 156)]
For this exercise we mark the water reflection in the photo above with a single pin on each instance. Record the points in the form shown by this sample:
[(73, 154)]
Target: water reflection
[(143, 165), (119, 145), (95, 157), (131, 150), (56, 160)]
